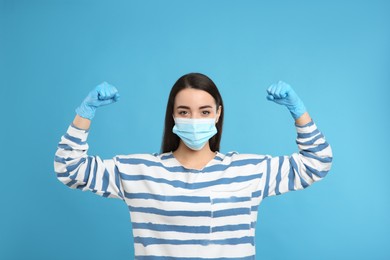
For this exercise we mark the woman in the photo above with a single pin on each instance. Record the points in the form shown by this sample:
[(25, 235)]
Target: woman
[(191, 201)]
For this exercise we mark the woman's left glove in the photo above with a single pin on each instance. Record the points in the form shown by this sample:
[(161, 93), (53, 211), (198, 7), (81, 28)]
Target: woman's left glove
[(283, 94)]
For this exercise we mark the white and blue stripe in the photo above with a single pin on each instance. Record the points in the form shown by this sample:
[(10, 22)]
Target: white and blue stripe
[(180, 213)]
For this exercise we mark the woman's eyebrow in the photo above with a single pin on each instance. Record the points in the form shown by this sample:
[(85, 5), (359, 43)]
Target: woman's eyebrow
[(182, 107), (185, 107)]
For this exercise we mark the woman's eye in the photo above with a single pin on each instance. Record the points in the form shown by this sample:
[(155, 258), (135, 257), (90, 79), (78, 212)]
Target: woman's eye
[(182, 113), (206, 113)]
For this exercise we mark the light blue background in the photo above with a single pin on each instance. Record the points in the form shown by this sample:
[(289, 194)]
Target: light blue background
[(335, 54)]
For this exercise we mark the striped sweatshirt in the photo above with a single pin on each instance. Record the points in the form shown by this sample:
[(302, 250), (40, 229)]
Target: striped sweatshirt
[(181, 213)]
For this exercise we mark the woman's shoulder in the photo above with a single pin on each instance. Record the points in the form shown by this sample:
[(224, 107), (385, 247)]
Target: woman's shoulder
[(141, 156), (236, 156)]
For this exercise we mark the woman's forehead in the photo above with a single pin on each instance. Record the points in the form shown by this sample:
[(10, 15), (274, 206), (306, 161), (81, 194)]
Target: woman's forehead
[(191, 97)]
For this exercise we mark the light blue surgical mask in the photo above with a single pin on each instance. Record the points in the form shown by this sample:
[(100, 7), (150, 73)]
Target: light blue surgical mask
[(195, 132)]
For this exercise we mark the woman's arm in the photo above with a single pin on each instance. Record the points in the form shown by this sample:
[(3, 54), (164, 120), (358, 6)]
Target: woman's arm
[(82, 123), (73, 166), (303, 120), (78, 170), (314, 159), (301, 169)]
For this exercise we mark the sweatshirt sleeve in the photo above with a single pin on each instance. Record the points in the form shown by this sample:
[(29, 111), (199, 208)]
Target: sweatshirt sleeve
[(78, 170), (301, 169)]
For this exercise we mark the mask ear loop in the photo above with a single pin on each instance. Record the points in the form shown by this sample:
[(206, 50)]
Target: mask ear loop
[(218, 115)]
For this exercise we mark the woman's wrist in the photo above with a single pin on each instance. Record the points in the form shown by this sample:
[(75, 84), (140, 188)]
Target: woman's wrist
[(303, 119), (82, 123)]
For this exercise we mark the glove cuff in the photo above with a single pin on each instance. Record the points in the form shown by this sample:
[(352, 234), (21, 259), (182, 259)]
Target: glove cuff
[(298, 110), (86, 111)]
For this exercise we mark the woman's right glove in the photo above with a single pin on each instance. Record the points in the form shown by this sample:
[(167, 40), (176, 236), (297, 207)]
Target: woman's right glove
[(102, 95)]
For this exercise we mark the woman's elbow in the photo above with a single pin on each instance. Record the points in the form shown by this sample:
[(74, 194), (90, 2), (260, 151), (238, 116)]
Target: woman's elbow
[(317, 165)]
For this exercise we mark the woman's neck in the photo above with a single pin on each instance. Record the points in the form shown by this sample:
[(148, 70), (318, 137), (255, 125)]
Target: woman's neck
[(194, 159)]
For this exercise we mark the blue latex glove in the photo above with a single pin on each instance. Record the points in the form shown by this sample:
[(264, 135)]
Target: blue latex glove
[(102, 95), (283, 94)]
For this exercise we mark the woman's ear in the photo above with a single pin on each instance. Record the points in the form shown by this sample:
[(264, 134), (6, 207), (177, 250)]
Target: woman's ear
[(219, 110)]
